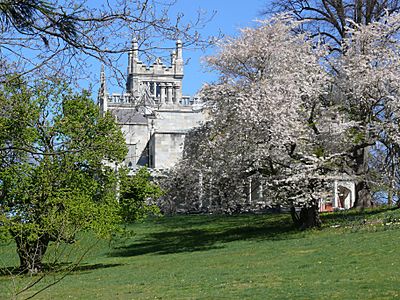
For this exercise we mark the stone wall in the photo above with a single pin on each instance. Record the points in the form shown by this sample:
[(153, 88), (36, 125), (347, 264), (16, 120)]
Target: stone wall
[(166, 149)]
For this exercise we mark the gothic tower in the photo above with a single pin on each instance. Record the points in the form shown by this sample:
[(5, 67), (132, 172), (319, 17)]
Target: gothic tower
[(153, 114)]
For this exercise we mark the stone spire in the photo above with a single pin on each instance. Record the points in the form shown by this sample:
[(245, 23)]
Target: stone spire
[(178, 59), (133, 56), (133, 61), (102, 96), (103, 85)]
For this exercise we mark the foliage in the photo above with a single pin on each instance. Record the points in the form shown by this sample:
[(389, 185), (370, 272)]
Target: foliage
[(364, 35), (53, 179), (137, 193), (290, 117), (266, 120), (368, 91), (26, 16)]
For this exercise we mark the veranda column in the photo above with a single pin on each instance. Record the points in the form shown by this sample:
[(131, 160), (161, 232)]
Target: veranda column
[(201, 190), (155, 91), (178, 93), (335, 193), (169, 93), (261, 191), (162, 93), (250, 188)]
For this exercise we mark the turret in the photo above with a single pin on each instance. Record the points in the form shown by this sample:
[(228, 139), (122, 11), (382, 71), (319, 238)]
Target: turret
[(179, 59), (133, 59)]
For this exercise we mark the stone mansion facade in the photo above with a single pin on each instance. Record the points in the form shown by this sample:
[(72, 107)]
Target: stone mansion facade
[(155, 117), (153, 114)]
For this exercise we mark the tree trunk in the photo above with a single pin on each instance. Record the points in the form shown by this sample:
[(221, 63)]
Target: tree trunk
[(306, 217), (363, 196), (31, 253), (363, 192), (392, 182), (390, 197)]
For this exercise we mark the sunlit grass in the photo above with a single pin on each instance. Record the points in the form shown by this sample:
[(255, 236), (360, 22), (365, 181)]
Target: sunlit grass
[(354, 256)]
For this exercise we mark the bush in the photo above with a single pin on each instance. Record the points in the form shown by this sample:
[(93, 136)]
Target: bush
[(137, 193)]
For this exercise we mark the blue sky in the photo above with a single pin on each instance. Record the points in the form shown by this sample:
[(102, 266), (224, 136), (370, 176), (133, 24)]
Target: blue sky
[(230, 16)]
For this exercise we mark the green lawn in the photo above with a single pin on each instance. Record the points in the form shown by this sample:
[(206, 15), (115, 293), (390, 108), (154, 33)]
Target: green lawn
[(231, 257)]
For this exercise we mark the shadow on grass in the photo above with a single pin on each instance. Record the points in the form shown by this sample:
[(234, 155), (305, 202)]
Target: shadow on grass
[(59, 268), (216, 231), (206, 232), (94, 267), (355, 215)]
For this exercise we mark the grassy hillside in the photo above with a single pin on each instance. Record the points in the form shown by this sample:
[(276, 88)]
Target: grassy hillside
[(354, 256)]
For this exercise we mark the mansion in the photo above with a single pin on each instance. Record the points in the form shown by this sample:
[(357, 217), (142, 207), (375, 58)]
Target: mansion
[(155, 117), (153, 114)]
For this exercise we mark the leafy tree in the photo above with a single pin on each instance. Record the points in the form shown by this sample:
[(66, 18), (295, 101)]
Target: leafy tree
[(54, 181), (281, 115), (264, 109), (368, 92), (336, 21), (137, 192)]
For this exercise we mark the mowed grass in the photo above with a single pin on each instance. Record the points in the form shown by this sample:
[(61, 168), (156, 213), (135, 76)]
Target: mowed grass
[(354, 256)]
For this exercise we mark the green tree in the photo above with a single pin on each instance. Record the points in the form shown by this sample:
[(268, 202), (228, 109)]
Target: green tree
[(54, 181), (136, 193)]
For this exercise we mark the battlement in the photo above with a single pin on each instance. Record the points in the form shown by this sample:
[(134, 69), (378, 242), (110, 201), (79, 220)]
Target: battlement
[(156, 69), (153, 114), (120, 98), (161, 81), (156, 85), (129, 100)]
